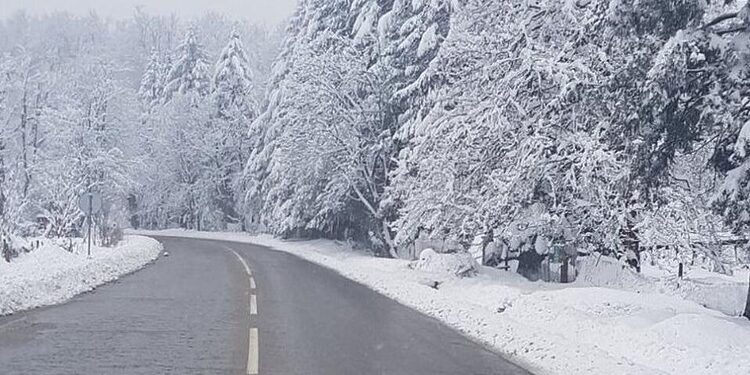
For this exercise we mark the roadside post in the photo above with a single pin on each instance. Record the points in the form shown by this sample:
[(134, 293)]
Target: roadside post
[(90, 203)]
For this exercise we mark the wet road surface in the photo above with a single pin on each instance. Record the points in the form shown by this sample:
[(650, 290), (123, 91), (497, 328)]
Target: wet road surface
[(216, 307)]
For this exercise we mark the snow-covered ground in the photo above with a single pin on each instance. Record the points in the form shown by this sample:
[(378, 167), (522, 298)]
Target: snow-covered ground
[(51, 274), (712, 290), (548, 328)]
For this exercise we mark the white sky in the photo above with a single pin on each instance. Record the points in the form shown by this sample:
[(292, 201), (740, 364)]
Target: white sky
[(260, 11)]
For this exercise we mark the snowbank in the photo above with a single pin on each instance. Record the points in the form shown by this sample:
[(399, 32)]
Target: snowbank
[(726, 294), (548, 328), (52, 275), (453, 264)]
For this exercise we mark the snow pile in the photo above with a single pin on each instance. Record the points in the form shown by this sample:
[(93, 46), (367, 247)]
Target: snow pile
[(548, 328), (726, 294), (460, 264), (597, 270), (52, 275)]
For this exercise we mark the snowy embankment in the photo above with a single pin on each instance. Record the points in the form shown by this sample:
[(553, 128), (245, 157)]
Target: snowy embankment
[(52, 275), (715, 291), (548, 328)]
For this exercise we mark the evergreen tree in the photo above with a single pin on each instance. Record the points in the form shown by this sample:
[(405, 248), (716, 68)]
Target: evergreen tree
[(395, 42), (232, 82), (413, 32), (189, 74), (234, 109), (165, 68), (150, 91), (310, 20)]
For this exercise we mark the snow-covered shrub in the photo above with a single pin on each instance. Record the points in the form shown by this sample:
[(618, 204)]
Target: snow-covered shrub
[(460, 264), (599, 270)]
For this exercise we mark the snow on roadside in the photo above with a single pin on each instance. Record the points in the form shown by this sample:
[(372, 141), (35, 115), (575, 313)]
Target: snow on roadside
[(547, 328), (726, 294), (52, 275)]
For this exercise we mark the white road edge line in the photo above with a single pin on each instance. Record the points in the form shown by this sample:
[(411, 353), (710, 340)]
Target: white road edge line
[(252, 282), (252, 353)]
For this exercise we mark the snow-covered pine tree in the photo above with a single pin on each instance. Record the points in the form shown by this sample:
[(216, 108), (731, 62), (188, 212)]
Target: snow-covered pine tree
[(232, 82), (311, 18), (408, 36), (412, 33), (152, 83), (189, 74), (510, 139), (732, 153), (680, 93), (165, 68), (396, 39), (263, 130), (5, 113), (332, 105), (234, 110), (660, 62)]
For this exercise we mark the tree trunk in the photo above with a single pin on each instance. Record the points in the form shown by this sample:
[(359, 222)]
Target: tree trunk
[(389, 241), (747, 304), (487, 239), (24, 151)]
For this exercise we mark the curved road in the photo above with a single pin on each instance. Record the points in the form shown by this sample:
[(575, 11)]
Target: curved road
[(216, 307)]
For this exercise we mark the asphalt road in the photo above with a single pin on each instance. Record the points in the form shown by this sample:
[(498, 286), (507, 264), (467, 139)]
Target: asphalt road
[(226, 308)]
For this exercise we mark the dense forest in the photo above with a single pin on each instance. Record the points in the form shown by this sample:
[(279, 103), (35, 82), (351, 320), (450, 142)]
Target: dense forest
[(615, 126), (609, 126), (150, 111)]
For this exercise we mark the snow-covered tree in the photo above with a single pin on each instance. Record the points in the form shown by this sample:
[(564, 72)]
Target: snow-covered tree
[(233, 82), (89, 124), (70, 90), (549, 127), (396, 41), (512, 137), (235, 109), (189, 74), (152, 84), (412, 33), (329, 162), (5, 113)]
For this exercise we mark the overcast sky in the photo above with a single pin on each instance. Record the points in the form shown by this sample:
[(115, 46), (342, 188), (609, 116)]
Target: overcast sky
[(261, 11)]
